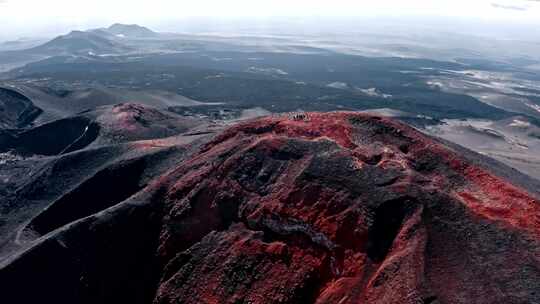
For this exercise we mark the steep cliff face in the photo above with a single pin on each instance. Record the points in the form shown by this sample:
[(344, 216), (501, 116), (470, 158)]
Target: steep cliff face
[(315, 208)]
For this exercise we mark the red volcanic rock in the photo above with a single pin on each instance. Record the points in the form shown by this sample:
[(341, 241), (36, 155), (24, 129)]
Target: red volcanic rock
[(326, 208), (344, 208)]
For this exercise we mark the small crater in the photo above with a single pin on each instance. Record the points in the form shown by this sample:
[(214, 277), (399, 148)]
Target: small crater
[(107, 188), (76, 133)]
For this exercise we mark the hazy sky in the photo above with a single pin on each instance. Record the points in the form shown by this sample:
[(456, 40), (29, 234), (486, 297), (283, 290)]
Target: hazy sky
[(37, 17)]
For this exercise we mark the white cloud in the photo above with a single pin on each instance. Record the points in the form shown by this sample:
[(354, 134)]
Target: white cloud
[(176, 8), (509, 7)]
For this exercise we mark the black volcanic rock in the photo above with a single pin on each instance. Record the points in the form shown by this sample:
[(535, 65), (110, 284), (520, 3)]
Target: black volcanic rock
[(16, 110), (105, 125), (113, 150)]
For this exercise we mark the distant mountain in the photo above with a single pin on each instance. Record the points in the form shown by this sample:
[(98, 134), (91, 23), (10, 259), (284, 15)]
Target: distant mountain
[(79, 42), (95, 41), (21, 44), (130, 31)]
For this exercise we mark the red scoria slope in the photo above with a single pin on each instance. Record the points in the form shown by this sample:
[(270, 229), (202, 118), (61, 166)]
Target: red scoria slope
[(344, 208), (335, 208)]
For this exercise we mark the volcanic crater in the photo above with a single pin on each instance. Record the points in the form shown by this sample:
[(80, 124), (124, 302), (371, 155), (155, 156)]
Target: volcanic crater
[(314, 208)]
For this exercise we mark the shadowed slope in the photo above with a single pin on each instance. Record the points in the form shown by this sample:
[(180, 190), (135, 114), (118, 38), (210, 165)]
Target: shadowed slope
[(105, 125), (16, 110)]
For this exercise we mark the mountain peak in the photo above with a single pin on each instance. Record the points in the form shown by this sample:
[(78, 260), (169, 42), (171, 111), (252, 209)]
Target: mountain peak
[(80, 42), (131, 30), (123, 25)]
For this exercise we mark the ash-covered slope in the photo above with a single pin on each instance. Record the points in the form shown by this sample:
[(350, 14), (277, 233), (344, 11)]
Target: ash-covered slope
[(16, 110), (104, 125), (95, 159), (323, 208)]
